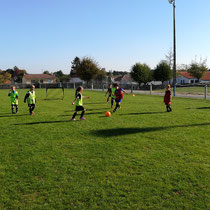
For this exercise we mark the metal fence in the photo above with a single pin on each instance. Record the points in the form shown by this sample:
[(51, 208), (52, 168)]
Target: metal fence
[(191, 90)]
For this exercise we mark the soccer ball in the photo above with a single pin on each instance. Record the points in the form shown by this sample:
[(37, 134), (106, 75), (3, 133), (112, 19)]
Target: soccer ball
[(108, 114)]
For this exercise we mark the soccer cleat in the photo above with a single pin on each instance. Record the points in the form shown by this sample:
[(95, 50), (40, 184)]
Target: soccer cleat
[(73, 119), (82, 118)]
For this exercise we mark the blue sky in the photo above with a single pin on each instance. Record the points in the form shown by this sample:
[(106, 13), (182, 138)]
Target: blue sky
[(42, 35)]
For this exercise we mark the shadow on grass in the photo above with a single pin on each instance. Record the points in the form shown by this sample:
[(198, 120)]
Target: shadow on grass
[(128, 131), (199, 108), (53, 99), (87, 110), (86, 113), (140, 113), (97, 103), (14, 115), (44, 122)]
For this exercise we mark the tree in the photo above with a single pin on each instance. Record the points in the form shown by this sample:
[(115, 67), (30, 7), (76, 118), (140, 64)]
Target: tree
[(18, 74), (75, 64), (198, 70), (46, 72), (169, 58), (141, 73), (11, 71), (5, 76), (110, 75), (88, 69), (162, 72), (101, 75)]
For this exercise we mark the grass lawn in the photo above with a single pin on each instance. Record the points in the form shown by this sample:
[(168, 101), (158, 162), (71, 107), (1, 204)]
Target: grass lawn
[(139, 158)]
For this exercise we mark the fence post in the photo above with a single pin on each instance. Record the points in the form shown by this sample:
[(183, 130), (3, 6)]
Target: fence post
[(206, 91), (151, 89), (92, 86), (131, 88), (74, 85), (103, 87)]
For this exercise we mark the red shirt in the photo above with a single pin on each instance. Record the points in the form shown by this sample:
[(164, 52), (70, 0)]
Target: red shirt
[(167, 97), (119, 94)]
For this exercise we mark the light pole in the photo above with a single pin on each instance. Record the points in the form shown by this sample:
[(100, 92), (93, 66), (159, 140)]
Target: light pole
[(174, 35)]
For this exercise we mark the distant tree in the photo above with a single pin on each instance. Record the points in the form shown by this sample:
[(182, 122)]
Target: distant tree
[(101, 75), (141, 73), (88, 69), (162, 72), (18, 74), (198, 70), (170, 58), (74, 65), (5, 76), (46, 72), (119, 73), (11, 71), (109, 75)]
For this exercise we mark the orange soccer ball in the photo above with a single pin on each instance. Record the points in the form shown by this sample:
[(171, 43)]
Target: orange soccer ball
[(108, 114)]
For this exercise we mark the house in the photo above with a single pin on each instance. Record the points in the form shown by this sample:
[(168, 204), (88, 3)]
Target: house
[(186, 78), (74, 78), (206, 77), (125, 79), (38, 78)]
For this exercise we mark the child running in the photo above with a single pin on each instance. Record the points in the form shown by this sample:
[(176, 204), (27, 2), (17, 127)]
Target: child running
[(111, 91), (14, 99), (168, 98), (79, 103), (31, 99), (118, 96)]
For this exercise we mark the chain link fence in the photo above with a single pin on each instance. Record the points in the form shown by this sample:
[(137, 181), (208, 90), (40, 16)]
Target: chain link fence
[(191, 90)]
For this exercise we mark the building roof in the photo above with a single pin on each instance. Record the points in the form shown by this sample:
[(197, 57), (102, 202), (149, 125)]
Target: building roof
[(127, 78), (39, 76), (186, 74), (206, 76)]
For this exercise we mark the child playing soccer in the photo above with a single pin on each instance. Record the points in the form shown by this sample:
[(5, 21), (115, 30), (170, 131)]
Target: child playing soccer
[(31, 99), (118, 96), (14, 99), (111, 91), (168, 98), (79, 103)]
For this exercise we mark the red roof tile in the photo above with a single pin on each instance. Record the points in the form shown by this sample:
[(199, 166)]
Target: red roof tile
[(206, 76), (187, 75)]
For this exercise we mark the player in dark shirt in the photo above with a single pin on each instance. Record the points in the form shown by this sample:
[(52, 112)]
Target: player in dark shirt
[(118, 96), (168, 98)]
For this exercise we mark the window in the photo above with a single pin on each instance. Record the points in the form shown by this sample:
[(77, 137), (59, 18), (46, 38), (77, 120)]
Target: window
[(49, 81), (33, 81), (41, 81)]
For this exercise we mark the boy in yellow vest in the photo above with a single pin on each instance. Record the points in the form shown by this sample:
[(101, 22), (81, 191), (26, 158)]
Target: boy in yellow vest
[(14, 99), (79, 104), (30, 97)]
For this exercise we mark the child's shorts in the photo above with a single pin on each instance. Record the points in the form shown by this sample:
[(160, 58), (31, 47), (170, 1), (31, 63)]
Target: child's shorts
[(118, 101), (79, 108)]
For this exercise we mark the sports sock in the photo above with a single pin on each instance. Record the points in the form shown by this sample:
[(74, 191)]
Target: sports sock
[(82, 114), (74, 115)]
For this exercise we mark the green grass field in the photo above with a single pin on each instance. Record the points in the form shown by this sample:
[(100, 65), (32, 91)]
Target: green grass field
[(139, 158)]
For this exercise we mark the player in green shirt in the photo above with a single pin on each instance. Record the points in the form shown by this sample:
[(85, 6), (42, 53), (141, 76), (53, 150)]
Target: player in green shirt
[(111, 91), (30, 97), (78, 101), (14, 99)]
